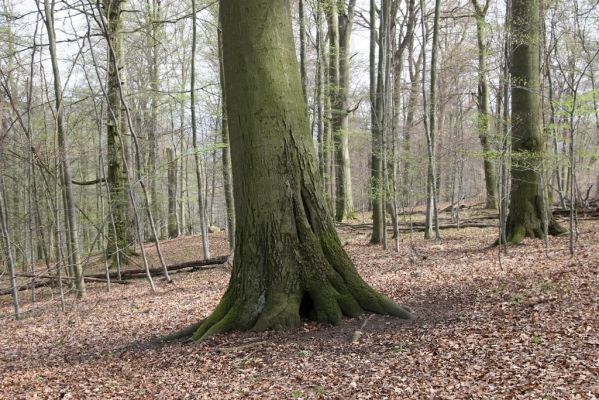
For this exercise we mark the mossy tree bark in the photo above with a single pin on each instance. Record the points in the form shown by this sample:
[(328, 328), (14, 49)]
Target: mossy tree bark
[(344, 207), (289, 262), (119, 228), (480, 12), (527, 203)]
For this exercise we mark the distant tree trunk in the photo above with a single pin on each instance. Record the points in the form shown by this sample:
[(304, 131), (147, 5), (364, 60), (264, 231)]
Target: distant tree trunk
[(173, 229), (302, 34), (527, 203), (5, 233), (194, 137), (483, 105), (431, 132), (377, 178), (415, 68), (320, 96), (155, 15), (227, 177), (289, 262), (119, 235), (344, 199), (72, 228)]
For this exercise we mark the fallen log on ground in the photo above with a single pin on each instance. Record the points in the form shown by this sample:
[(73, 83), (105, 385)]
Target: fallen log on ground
[(68, 278), (140, 273), (419, 227), (126, 274)]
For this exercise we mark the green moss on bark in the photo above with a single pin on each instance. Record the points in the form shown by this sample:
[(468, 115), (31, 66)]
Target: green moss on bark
[(289, 263)]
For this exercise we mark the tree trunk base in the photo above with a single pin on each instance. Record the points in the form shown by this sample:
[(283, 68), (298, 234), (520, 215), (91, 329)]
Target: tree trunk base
[(324, 287)]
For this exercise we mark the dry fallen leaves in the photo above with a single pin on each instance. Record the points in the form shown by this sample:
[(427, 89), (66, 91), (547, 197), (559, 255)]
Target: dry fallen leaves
[(529, 331)]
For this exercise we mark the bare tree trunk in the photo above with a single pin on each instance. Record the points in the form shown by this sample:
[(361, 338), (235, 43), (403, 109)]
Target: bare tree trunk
[(6, 239), (227, 176), (483, 105), (302, 34), (72, 233), (194, 133), (173, 230)]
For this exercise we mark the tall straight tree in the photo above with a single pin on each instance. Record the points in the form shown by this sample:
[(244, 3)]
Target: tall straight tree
[(344, 14), (289, 262), (480, 12), (63, 150), (431, 130), (527, 202), (227, 175), (194, 135), (119, 231), (377, 99)]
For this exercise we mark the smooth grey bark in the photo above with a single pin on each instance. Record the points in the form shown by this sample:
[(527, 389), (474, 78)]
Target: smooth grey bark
[(194, 138), (173, 229), (432, 224), (67, 185)]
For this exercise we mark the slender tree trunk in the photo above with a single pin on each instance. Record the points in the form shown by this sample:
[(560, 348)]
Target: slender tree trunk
[(72, 234), (173, 230), (302, 34), (483, 105), (431, 134), (155, 15), (377, 178), (344, 199), (194, 137), (227, 177), (6, 237), (289, 262)]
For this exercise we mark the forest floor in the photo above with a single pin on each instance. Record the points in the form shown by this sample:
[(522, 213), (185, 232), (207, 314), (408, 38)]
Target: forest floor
[(526, 329)]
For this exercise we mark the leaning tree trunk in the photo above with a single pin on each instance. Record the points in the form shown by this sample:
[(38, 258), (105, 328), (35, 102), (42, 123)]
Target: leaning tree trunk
[(527, 203), (289, 262)]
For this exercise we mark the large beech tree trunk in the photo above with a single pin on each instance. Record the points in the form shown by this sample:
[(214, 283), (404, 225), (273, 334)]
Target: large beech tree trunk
[(289, 262), (527, 203)]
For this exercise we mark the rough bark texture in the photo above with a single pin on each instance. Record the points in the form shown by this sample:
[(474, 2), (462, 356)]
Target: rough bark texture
[(118, 234), (483, 105), (289, 262), (527, 203)]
